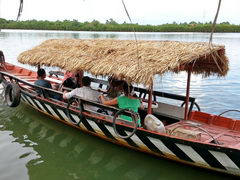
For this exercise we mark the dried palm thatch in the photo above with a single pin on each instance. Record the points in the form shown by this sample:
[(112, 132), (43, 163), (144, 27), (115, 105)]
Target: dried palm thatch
[(118, 58)]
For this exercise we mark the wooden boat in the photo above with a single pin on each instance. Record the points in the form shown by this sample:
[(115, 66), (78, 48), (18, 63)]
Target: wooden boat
[(192, 137)]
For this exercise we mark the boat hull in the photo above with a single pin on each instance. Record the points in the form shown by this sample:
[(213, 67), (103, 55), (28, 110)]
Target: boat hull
[(194, 153)]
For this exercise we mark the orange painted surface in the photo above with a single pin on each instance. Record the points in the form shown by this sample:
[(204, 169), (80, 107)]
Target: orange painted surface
[(201, 117), (215, 120), (223, 122), (24, 74), (225, 130), (236, 126)]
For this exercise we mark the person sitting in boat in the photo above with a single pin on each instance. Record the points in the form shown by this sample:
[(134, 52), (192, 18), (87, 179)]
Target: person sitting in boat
[(85, 92), (115, 88), (124, 102), (2, 60), (41, 75), (78, 78), (72, 80), (133, 93)]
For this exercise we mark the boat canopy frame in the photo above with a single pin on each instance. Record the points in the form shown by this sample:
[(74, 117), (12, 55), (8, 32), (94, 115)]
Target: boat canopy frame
[(118, 59), (143, 93)]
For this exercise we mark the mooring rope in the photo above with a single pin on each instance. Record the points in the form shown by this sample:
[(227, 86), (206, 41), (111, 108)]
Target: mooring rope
[(213, 53), (196, 126), (214, 23), (20, 10), (134, 31)]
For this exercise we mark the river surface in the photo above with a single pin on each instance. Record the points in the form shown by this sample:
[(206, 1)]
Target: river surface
[(33, 146)]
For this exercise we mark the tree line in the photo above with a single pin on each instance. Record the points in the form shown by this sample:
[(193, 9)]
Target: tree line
[(111, 25)]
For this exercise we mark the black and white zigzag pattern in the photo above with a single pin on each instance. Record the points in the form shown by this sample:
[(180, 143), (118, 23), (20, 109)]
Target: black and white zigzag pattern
[(197, 154)]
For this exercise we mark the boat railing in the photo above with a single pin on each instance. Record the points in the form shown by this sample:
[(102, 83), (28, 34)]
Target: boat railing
[(110, 109), (37, 91), (106, 116), (25, 85), (144, 93)]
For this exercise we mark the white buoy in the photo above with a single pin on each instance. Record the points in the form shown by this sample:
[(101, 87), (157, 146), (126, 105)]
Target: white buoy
[(154, 124)]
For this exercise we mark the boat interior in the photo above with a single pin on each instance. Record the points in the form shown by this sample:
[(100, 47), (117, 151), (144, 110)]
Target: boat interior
[(201, 127)]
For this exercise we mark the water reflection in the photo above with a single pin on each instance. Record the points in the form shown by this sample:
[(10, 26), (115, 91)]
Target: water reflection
[(95, 36), (16, 152), (66, 153)]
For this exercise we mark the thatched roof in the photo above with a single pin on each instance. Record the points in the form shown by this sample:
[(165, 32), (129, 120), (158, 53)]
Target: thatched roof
[(126, 59)]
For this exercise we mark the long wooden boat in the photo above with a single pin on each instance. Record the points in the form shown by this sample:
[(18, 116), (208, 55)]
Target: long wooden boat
[(192, 137)]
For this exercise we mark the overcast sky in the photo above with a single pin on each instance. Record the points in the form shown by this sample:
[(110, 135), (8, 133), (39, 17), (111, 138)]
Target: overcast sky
[(141, 11)]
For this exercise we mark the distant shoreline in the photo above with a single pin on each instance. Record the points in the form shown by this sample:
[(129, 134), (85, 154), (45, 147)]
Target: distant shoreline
[(112, 26), (104, 32)]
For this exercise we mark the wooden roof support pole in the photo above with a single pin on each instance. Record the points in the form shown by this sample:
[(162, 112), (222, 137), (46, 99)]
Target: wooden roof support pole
[(187, 93), (150, 99)]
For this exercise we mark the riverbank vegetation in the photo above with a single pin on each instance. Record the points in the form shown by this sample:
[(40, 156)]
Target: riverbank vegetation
[(112, 25)]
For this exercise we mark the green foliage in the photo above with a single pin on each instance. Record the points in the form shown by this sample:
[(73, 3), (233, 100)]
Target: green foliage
[(111, 21), (112, 25)]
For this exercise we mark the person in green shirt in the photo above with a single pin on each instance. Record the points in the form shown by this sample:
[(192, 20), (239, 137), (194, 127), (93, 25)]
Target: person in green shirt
[(124, 102)]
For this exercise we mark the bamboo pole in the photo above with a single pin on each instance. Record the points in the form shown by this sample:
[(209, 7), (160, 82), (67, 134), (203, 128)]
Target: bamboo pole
[(187, 92), (150, 99)]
